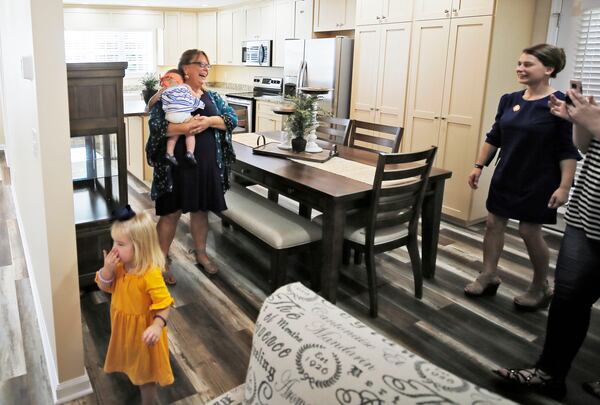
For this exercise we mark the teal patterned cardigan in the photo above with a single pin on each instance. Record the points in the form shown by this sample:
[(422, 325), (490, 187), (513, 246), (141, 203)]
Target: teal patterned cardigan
[(156, 147)]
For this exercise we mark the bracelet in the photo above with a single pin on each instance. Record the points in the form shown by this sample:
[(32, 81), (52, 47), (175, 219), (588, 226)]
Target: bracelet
[(478, 166), (162, 319), (105, 281)]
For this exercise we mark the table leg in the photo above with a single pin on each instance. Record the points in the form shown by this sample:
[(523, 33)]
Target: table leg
[(430, 230), (334, 220)]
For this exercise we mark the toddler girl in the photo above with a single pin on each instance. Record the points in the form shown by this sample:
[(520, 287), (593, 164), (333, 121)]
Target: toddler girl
[(140, 304), (179, 101)]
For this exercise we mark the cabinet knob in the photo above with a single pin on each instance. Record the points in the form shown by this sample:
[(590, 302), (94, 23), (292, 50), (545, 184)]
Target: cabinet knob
[(455, 11), (436, 118), (383, 17), (377, 109), (371, 109), (378, 17), (446, 11), (443, 118)]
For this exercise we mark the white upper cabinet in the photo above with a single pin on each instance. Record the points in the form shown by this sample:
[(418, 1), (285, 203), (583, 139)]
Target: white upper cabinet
[(225, 37), (207, 34), (334, 15), (260, 22), (472, 8), (284, 28), (180, 33), (383, 11), (238, 35), (301, 23), (434, 9)]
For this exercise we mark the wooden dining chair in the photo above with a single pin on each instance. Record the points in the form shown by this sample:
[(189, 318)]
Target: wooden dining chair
[(393, 217), (359, 131), (335, 130)]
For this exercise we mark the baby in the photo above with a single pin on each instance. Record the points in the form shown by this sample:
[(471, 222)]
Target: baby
[(179, 101)]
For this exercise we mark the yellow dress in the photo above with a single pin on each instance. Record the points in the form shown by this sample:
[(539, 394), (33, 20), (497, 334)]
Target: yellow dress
[(135, 299)]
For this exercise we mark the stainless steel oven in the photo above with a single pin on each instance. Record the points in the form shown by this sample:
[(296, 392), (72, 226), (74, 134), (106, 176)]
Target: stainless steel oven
[(244, 108)]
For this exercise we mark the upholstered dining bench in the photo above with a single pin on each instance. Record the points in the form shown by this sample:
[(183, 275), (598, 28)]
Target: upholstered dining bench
[(278, 229), (307, 351)]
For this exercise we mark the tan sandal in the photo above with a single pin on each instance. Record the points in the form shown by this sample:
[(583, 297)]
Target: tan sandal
[(207, 265), (479, 288)]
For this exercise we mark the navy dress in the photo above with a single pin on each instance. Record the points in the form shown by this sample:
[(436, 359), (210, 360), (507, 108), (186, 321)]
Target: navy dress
[(532, 143), (195, 187)]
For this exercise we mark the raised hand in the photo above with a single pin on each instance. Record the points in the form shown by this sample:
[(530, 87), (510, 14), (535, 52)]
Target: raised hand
[(584, 111), (111, 259), (558, 107)]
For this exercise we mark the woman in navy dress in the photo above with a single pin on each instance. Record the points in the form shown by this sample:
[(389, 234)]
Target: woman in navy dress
[(533, 176), (191, 188)]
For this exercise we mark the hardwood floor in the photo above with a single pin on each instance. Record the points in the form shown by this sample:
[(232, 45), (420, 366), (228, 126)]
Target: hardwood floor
[(211, 327)]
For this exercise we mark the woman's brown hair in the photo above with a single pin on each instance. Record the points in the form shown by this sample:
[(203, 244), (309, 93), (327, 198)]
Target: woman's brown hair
[(188, 57), (551, 56)]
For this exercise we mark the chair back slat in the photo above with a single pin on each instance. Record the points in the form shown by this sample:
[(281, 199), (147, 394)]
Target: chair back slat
[(398, 204), (362, 131), (333, 129)]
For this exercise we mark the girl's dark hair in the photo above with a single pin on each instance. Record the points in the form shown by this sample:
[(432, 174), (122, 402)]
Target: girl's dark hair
[(551, 56), (188, 57)]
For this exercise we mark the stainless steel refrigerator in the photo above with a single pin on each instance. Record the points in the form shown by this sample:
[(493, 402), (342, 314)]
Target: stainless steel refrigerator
[(323, 62)]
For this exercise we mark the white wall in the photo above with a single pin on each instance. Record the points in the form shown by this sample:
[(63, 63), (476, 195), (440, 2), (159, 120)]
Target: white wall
[(37, 140)]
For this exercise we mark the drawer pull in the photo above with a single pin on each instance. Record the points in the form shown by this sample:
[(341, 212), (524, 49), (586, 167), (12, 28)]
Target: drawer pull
[(290, 190), (244, 171)]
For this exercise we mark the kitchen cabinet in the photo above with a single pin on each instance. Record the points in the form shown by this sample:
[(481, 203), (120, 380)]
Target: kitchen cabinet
[(225, 37), (207, 34), (445, 105), (180, 33), (383, 11), (266, 119), (135, 147), (380, 73), (301, 24), (434, 9), (284, 28), (334, 15), (260, 22), (238, 34)]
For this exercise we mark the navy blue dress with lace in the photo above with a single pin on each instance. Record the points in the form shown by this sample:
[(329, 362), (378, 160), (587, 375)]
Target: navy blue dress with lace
[(532, 143)]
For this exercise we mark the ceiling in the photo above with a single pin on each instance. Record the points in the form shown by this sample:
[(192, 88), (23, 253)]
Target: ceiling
[(156, 3)]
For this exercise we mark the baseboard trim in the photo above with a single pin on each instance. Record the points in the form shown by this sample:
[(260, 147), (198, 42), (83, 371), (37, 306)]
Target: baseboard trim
[(70, 389)]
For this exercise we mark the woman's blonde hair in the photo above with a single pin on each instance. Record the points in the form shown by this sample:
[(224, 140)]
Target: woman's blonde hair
[(141, 230)]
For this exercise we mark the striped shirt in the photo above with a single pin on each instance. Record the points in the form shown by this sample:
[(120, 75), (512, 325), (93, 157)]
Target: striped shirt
[(180, 99), (583, 211)]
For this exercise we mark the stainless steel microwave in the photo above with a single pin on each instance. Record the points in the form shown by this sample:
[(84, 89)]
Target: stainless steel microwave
[(257, 53)]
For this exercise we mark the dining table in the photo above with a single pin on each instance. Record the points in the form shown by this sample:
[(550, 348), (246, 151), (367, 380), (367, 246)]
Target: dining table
[(334, 195)]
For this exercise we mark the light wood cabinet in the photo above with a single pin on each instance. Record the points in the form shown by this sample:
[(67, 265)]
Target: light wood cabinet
[(380, 73), (225, 37), (207, 34), (383, 11), (180, 33), (445, 105), (266, 119), (334, 15), (136, 137), (260, 23), (434, 9)]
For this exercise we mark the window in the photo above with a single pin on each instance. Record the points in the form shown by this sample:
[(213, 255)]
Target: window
[(587, 57), (134, 47)]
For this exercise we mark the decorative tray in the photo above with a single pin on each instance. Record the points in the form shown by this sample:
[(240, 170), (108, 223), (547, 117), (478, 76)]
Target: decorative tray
[(271, 149)]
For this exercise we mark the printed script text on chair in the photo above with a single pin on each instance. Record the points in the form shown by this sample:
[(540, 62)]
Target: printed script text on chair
[(335, 130), (362, 131), (398, 192)]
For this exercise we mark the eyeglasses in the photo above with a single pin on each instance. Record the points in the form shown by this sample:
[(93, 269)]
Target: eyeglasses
[(201, 64)]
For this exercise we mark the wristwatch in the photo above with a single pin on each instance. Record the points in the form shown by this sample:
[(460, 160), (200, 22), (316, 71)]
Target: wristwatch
[(478, 166)]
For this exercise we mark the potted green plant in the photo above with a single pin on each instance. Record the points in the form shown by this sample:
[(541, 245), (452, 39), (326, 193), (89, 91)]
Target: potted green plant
[(149, 81), (302, 120)]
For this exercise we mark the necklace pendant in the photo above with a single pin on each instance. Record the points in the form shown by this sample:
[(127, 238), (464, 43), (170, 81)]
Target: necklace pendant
[(516, 108)]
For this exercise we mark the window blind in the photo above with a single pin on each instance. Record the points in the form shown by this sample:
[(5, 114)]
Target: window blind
[(587, 57), (134, 47)]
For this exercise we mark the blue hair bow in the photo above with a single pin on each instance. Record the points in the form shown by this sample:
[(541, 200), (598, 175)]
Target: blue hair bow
[(123, 213)]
